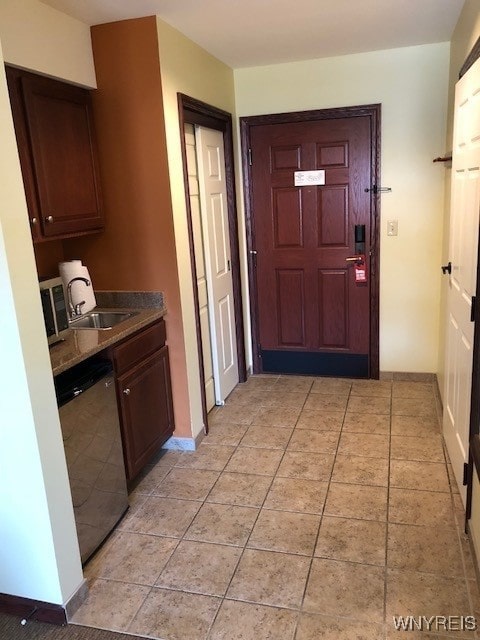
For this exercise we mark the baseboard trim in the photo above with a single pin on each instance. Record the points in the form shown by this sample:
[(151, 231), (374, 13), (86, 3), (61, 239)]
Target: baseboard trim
[(180, 444), (76, 600), (407, 376), (29, 609)]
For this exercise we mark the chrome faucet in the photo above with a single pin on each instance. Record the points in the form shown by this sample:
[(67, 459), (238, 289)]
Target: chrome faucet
[(75, 309)]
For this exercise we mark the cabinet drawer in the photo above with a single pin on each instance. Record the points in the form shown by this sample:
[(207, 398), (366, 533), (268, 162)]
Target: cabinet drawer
[(139, 347)]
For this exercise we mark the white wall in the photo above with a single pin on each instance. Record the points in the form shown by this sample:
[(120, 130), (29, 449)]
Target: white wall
[(36, 37), (39, 555), (411, 84), (39, 550)]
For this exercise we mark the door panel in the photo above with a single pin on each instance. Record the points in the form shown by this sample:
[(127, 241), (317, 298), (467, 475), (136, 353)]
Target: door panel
[(215, 229), (464, 220), (287, 218), (310, 308), (333, 291), (291, 301), (204, 318), (332, 221)]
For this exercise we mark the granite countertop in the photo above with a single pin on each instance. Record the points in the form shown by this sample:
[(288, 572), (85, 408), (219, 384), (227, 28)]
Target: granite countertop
[(80, 344)]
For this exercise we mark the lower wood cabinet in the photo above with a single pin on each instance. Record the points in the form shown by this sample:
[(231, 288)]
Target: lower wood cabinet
[(144, 395)]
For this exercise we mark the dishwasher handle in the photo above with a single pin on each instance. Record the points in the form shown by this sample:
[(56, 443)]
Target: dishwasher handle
[(75, 381)]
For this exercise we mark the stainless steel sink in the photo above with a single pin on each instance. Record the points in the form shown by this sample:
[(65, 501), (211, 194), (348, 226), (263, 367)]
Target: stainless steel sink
[(101, 319)]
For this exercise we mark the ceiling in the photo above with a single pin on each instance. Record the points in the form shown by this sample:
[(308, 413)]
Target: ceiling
[(245, 33)]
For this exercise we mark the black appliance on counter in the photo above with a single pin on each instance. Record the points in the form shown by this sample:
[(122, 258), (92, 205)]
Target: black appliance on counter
[(54, 309)]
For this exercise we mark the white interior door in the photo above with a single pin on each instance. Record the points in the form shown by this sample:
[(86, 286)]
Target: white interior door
[(215, 228), (464, 221), (205, 330)]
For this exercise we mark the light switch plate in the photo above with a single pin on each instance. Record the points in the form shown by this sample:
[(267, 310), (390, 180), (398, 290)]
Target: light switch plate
[(392, 227)]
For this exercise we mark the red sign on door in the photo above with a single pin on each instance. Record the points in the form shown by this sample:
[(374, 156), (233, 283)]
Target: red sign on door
[(361, 270)]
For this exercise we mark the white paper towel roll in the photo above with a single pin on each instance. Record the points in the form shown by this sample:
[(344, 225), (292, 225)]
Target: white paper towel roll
[(80, 291)]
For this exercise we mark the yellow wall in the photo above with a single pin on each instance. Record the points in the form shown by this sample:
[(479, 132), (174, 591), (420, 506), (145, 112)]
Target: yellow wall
[(411, 85), (188, 69), (36, 37), (138, 239)]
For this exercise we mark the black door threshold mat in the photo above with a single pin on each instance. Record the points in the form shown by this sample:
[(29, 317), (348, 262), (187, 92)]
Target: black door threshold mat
[(341, 365)]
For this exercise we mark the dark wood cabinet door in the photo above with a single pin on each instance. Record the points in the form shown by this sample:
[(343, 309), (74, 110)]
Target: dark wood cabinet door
[(57, 148), (146, 409), (14, 78), (60, 125)]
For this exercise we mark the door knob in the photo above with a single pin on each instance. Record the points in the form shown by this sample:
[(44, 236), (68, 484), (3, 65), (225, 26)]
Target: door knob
[(447, 268), (49, 219), (355, 259)]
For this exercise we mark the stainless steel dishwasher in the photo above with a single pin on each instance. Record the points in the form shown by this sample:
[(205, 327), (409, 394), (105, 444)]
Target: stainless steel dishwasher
[(93, 449)]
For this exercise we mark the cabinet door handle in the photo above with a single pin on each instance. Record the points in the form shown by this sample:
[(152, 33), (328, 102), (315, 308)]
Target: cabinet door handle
[(49, 219), (33, 222), (126, 391)]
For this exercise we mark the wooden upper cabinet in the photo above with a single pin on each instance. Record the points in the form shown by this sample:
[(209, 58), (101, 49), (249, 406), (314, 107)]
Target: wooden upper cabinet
[(56, 140)]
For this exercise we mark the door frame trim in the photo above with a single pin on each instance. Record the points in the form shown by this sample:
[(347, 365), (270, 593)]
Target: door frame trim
[(470, 59), (193, 111), (373, 112)]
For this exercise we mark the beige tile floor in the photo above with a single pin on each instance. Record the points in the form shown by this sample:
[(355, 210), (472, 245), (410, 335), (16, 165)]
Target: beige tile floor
[(316, 508)]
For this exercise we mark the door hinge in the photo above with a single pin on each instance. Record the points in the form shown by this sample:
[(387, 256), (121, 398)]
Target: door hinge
[(465, 473), (250, 162), (472, 309)]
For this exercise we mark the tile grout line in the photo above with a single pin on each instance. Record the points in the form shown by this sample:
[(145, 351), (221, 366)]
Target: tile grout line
[(458, 527), (301, 608), (387, 519), (224, 597), (298, 610)]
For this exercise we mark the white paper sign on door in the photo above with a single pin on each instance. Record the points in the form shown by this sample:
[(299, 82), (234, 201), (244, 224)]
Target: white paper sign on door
[(309, 178)]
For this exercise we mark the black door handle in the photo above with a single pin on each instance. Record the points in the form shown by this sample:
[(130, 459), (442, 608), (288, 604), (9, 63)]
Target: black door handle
[(447, 268)]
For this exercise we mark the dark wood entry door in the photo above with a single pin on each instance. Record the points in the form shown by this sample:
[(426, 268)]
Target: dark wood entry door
[(313, 315)]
